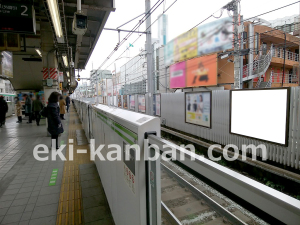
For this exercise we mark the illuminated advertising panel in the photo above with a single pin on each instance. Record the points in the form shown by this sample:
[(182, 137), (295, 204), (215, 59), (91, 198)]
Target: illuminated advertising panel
[(125, 106), (132, 102), (142, 103), (198, 108), (261, 114)]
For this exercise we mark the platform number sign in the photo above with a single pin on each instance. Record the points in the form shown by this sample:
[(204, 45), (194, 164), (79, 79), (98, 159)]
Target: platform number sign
[(17, 18)]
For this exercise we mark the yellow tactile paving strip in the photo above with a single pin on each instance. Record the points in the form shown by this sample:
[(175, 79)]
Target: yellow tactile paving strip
[(70, 208)]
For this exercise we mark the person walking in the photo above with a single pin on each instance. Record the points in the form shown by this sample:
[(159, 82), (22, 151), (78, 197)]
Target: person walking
[(68, 102), (62, 106), (28, 107), (37, 106), (55, 126), (3, 110), (18, 109)]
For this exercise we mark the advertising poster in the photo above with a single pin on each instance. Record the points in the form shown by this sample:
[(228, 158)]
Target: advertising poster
[(169, 53), (215, 36), (201, 71), (6, 65), (99, 89), (186, 45), (120, 101), (198, 108), (142, 103), (132, 102), (157, 104), (125, 106), (178, 75), (60, 77)]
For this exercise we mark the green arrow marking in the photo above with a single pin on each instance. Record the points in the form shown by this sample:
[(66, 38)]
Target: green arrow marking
[(53, 177)]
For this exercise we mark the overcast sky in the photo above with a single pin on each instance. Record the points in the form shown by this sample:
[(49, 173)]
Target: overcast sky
[(182, 16)]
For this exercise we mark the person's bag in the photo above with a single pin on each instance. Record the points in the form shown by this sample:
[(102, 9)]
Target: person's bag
[(44, 112), (60, 128)]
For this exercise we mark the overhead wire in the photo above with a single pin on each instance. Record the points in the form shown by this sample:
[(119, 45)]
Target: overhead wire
[(219, 17)]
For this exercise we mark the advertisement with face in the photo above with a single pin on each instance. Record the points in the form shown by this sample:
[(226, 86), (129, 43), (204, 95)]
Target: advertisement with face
[(215, 36), (142, 103), (178, 75), (125, 106), (201, 71), (132, 102), (198, 108)]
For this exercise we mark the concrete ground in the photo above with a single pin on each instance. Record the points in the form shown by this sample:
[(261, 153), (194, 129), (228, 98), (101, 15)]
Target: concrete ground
[(48, 192)]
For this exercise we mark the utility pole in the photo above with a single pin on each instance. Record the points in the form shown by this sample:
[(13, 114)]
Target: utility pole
[(236, 46), (149, 57), (234, 6), (241, 57)]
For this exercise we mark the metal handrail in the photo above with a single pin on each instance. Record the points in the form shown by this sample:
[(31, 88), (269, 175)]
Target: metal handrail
[(288, 78), (279, 53)]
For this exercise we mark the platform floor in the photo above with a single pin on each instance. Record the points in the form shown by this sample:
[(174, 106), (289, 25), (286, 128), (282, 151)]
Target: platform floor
[(48, 192)]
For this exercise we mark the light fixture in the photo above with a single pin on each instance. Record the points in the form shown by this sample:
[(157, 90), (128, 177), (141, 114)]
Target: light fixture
[(65, 59), (38, 52), (68, 74), (69, 80), (55, 17)]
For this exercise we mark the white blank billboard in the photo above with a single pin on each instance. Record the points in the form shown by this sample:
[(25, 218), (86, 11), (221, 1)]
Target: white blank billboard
[(261, 114)]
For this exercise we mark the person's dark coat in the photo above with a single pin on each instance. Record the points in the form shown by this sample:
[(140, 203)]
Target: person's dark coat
[(28, 105), (37, 105), (54, 123), (68, 100), (3, 109)]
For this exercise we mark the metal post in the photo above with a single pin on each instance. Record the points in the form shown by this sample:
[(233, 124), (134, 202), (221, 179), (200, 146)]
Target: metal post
[(97, 81), (283, 58), (166, 79), (114, 80), (236, 47), (149, 57)]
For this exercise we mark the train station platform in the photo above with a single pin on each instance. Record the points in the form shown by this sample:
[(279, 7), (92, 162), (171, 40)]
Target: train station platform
[(48, 192)]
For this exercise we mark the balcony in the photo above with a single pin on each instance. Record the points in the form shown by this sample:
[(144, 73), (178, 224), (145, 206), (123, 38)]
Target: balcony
[(279, 53), (288, 78)]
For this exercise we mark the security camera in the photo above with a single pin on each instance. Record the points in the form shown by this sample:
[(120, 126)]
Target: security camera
[(79, 26)]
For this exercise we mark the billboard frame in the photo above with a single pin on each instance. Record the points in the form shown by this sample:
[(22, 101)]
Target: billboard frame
[(210, 113), (287, 125)]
